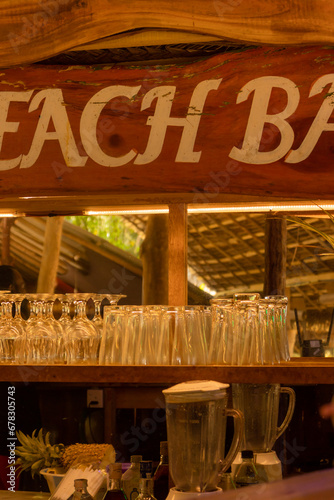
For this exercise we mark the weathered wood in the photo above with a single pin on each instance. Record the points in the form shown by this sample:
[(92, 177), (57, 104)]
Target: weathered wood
[(154, 256), (210, 145), (177, 255), (303, 371), (34, 30), (275, 255), (49, 265)]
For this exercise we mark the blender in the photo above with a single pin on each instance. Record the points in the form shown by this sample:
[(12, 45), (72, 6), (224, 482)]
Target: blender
[(196, 413), (260, 406)]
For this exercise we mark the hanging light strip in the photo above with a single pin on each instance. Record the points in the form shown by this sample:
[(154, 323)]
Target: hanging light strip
[(261, 208), (219, 209)]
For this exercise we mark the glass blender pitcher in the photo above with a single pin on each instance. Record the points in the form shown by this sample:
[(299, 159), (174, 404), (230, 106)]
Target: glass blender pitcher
[(260, 406), (196, 425)]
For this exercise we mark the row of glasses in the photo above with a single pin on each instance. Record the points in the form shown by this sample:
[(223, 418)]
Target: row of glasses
[(249, 330), (72, 338), (155, 335)]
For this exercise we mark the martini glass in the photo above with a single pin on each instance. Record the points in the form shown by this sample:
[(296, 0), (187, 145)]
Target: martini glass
[(11, 335), (53, 324), (41, 337), (82, 338)]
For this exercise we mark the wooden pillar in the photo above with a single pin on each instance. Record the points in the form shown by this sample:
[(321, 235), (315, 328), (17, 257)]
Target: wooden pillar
[(51, 248), (177, 255), (275, 255), (5, 254), (154, 256)]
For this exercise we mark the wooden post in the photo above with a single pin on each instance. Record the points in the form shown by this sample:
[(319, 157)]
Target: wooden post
[(154, 256), (5, 255), (275, 255), (177, 255), (49, 265)]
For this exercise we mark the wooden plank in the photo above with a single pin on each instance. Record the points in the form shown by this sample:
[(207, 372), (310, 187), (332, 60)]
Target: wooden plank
[(254, 123), (308, 371), (177, 255), (34, 30), (275, 255)]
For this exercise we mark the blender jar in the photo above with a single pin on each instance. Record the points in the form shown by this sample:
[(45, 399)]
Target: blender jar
[(196, 425), (259, 404)]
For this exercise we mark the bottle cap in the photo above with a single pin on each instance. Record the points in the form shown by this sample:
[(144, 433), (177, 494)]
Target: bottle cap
[(247, 454), (115, 471), (145, 468), (136, 459)]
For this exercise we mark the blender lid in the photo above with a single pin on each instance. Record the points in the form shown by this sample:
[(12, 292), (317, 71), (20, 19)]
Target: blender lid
[(196, 386)]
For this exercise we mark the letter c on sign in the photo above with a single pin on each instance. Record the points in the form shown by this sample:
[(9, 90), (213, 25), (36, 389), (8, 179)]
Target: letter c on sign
[(88, 125)]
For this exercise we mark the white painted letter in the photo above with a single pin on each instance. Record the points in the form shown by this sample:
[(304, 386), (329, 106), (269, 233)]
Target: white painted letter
[(320, 122), (5, 99), (54, 109), (262, 87), (88, 125), (161, 119)]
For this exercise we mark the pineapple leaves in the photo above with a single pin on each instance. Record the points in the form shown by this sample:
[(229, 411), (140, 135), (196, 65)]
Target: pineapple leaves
[(36, 451)]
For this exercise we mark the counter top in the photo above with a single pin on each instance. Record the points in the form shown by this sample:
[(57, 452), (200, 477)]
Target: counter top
[(312, 486), (23, 495)]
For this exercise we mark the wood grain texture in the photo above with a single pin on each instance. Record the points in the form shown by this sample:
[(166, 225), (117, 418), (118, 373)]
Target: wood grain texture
[(303, 372), (275, 255), (177, 255), (123, 127), (32, 30)]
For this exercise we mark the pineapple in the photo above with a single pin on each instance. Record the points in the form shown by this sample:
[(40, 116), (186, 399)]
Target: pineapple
[(36, 453)]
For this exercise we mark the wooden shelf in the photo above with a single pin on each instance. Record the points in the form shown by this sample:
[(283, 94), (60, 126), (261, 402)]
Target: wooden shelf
[(304, 371)]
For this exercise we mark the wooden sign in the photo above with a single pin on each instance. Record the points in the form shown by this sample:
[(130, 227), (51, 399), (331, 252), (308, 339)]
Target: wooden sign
[(37, 29), (257, 122)]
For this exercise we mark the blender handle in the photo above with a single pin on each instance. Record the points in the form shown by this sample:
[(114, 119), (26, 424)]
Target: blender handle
[(239, 424), (289, 413)]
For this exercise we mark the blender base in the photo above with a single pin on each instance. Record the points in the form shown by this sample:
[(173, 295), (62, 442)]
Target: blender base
[(267, 464), (174, 494)]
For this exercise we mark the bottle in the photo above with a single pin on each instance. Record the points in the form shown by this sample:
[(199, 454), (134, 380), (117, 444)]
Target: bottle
[(114, 491), (246, 474), (146, 473), (145, 489), (131, 477), (161, 475), (80, 490)]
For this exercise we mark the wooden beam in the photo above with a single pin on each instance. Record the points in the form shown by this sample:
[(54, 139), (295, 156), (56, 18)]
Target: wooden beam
[(35, 30), (275, 255), (6, 227), (154, 256), (177, 255), (49, 265)]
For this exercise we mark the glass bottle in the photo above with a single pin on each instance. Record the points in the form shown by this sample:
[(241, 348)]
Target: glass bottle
[(115, 491), (246, 474), (161, 475), (131, 477), (145, 489), (80, 490)]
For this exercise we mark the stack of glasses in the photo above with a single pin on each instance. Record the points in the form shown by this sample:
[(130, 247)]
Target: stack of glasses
[(239, 331), (35, 336), (244, 330)]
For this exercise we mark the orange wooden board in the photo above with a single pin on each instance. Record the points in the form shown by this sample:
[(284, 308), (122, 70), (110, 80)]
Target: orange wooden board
[(32, 30), (193, 129)]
